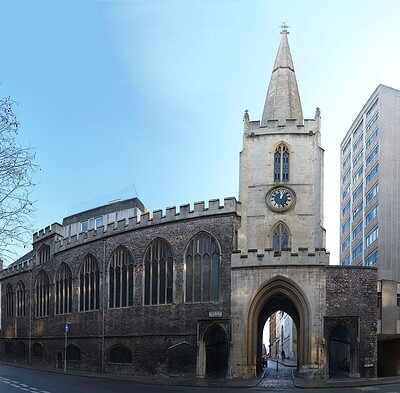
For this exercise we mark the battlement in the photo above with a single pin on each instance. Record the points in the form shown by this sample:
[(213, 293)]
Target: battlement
[(253, 128), (23, 264), (156, 218), (51, 230), (269, 257)]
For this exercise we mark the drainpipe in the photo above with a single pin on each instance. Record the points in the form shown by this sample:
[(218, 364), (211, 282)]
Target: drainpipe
[(30, 318), (103, 290)]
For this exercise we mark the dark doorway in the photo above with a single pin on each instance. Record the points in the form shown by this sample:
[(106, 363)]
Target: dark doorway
[(216, 351), (339, 352), (388, 357), (59, 360)]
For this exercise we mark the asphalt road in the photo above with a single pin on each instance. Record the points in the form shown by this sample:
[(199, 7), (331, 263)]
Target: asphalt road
[(17, 380)]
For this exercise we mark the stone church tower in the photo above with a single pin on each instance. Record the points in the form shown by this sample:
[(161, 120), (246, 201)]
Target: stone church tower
[(281, 253)]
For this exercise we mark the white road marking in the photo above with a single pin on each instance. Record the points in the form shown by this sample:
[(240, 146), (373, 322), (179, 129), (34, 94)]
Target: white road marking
[(21, 386)]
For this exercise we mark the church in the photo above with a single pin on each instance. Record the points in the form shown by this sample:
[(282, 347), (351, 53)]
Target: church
[(188, 290)]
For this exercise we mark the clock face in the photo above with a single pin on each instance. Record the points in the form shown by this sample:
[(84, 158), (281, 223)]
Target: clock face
[(280, 199)]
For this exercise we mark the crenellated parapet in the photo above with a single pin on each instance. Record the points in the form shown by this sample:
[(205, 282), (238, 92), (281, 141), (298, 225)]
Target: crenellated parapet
[(269, 257), (146, 220), (22, 265), (51, 230), (253, 128)]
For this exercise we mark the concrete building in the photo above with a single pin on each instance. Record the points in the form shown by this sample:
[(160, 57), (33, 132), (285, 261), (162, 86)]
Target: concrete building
[(188, 291), (370, 208)]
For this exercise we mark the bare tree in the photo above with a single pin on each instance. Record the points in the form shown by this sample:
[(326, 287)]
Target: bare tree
[(16, 169)]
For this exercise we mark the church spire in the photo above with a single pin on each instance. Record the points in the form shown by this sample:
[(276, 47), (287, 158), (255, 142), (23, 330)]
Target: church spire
[(283, 99)]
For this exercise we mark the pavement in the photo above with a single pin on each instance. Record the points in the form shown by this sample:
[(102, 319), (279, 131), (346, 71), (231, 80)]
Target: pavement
[(284, 378)]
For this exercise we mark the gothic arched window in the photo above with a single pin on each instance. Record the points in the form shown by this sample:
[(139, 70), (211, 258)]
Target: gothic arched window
[(158, 273), (43, 255), (9, 301), (20, 299), (42, 295), (63, 283), (89, 284), (73, 353), (120, 279), (281, 164), (202, 269), (37, 350), (21, 350), (120, 354), (280, 237)]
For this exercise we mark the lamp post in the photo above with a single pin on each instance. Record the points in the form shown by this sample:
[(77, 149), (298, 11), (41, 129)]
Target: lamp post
[(65, 345), (276, 353)]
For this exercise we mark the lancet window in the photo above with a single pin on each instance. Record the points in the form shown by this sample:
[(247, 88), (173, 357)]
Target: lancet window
[(158, 273), (9, 301), (280, 237), (89, 284), (202, 261), (20, 299), (281, 164), (120, 279), (63, 284)]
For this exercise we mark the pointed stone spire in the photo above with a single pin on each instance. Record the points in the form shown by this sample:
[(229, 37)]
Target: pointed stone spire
[(283, 99)]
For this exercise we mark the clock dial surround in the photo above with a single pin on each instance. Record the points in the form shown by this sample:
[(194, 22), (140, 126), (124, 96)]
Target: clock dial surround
[(280, 199)]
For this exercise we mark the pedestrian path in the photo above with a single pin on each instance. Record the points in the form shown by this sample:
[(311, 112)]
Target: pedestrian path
[(277, 379)]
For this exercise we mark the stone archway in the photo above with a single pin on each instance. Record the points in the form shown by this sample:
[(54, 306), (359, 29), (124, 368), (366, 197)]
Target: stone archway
[(213, 346), (278, 293)]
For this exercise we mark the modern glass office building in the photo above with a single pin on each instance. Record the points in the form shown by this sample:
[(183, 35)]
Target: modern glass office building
[(369, 186)]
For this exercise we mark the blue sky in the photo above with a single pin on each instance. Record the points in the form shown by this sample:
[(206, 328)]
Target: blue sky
[(117, 95)]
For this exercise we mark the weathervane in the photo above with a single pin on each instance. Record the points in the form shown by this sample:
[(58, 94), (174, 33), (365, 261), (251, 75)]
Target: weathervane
[(284, 26)]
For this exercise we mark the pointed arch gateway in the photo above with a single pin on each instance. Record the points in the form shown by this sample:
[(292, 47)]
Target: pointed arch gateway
[(278, 293)]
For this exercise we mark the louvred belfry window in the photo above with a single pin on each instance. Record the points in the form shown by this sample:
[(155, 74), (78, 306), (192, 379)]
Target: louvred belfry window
[(281, 164)]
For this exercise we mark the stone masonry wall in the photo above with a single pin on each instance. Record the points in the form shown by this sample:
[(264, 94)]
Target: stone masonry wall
[(149, 331), (351, 292)]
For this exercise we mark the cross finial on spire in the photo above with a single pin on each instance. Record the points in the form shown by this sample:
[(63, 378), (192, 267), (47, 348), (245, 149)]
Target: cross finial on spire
[(284, 26)]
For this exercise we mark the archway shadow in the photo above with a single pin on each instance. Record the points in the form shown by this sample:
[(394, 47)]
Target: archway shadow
[(279, 293), (216, 352)]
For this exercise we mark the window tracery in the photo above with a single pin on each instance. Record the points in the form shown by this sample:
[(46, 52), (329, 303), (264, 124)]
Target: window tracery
[(89, 284), (280, 237), (158, 273), (202, 262), (281, 164), (121, 278)]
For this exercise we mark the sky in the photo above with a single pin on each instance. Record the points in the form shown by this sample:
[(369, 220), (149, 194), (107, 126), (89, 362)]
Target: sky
[(125, 98)]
